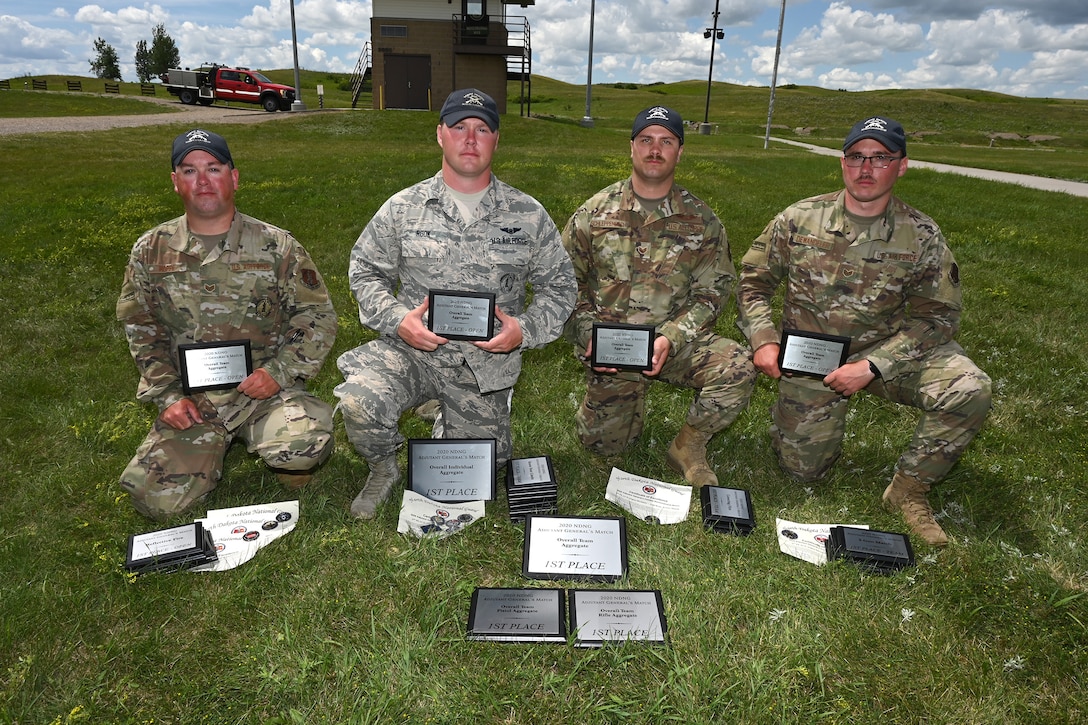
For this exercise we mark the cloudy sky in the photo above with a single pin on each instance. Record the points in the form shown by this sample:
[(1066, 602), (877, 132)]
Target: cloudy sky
[(1021, 47)]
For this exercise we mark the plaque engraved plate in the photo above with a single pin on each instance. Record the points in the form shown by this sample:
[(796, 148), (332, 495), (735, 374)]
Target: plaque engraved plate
[(518, 615), (178, 547), (575, 547), (599, 617), (452, 469), (214, 365), (531, 487), (461, 315), (812, 354), (727, 510), (881, 552), (621, 346)]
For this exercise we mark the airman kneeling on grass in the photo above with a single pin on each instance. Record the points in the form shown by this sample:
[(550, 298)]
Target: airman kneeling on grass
[(216, 275), (859, 263)]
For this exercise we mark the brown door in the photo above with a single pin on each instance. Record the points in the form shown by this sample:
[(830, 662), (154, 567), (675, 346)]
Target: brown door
[(407, 81)]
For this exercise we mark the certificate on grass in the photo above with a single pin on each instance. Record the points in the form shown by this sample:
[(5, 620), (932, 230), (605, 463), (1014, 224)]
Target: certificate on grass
[(622, 346), (575, 547), (654, 501), (461, 315), (812, 354), (452, 469), (599, 617), (214, 365), (807, 542)]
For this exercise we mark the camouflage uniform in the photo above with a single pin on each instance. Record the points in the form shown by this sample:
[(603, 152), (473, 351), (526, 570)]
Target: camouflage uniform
[(671, 269), (418, 241), (894, 289), (259, 284)]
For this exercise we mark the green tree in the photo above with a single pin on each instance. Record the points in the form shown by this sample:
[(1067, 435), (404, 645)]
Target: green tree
[(106, 63), (143, 62), (164, 52)]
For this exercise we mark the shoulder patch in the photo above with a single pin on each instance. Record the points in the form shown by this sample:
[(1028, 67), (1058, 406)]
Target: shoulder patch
[(954, 274)]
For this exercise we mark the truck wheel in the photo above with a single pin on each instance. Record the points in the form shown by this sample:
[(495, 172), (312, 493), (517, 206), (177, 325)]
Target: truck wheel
[(271, 103), (187, 97), (207, 101)]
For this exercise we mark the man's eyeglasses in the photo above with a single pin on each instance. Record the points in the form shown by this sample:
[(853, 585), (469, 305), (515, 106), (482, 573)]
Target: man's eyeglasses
[(880, 161)]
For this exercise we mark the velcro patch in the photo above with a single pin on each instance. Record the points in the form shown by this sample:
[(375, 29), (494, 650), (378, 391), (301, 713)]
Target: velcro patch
[(251, 267), (825, 244), (897, 257), (167, 268), (684, 228), (606, 223)]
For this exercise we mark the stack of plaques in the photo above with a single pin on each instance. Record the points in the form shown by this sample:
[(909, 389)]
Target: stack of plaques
[(880, 552), (727, 510), (179, 547), (517, 615), (600, 616), (531, 488)]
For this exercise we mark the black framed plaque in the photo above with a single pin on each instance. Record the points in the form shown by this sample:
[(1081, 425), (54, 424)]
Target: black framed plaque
[(603, 616), (452, 470), (517, 615), (531, 488), (461, 315), (881, 552), (591, 548), (214, 365), (727, 510), (622, 346), (812, 354), (178, 547)]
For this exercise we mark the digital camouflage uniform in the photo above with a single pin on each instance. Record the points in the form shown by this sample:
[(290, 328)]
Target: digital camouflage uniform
[(418, 241), (892, 288), (260, 285), (672, 269)]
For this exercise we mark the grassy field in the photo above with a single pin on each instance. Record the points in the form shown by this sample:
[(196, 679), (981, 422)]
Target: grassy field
[(349, 622)]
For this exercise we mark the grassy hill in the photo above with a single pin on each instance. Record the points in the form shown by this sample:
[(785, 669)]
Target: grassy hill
[(1041, 136)]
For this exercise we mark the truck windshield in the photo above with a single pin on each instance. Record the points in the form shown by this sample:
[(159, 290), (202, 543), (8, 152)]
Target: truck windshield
[(259, 76)]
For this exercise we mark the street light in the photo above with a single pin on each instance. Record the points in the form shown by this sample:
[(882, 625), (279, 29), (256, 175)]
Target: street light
[(774, 74), (587, 120), (715, 35), (297, 104)]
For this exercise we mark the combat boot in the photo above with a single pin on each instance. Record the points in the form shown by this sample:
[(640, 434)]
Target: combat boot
[(294, 481), (383, 475), (429, 411), (909, 496), (687, 455)]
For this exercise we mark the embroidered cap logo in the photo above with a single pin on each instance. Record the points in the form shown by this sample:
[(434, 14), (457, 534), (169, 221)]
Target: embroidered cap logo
[(197, 135), (658, 113), (473, 99), (876, 124)]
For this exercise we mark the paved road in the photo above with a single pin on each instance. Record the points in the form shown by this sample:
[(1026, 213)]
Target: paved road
[(1075, 188)]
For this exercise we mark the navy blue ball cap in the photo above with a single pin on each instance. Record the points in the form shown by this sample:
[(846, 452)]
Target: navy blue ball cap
[(659, 116), (470, 103), (201, 140), (887, 131)]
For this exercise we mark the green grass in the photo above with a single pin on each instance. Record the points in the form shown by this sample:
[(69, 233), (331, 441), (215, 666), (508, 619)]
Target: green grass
[(350, 622)]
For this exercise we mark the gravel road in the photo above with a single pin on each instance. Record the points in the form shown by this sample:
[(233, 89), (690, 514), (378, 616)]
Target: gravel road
[(198, 115), (181, 114)]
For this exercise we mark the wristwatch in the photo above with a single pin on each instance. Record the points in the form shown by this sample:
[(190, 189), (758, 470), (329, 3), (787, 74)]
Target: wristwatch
[(873, 369)]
